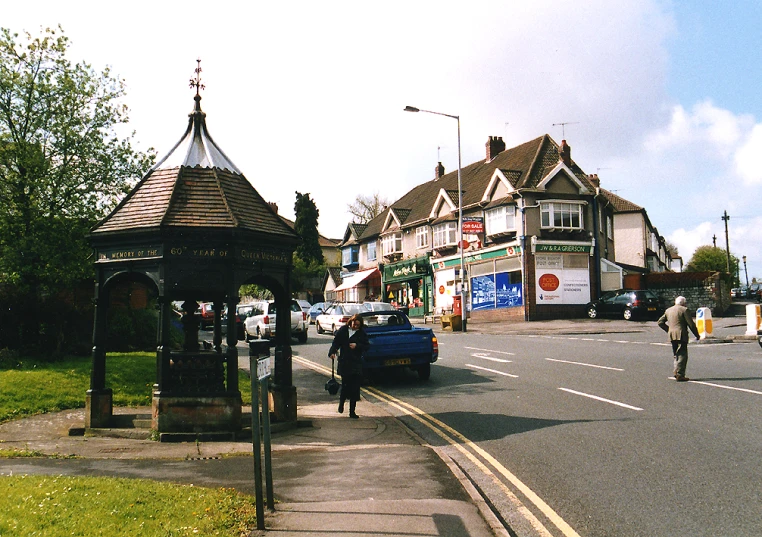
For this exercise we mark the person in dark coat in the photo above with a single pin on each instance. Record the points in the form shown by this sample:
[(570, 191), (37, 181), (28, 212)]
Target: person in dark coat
[(351, 342), (677, 321)]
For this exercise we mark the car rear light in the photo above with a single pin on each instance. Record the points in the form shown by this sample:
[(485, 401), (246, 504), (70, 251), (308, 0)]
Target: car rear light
[(344, 319), (304, 316), (435, 347), (266, 320)]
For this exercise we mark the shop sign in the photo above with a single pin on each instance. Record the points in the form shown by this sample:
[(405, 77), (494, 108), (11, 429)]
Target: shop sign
[(564, 248), (405, 270), (473, 224), (510, 251)]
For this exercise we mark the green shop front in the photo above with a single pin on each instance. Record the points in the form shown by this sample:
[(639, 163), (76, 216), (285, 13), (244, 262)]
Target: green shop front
[(408, 285)]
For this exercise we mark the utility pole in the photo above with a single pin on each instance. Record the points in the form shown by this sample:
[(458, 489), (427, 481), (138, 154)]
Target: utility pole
[(725, 217), (714, 240)]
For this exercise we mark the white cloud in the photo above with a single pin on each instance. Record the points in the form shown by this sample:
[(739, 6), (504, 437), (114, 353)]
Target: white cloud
[(714, 128), (748, 156)]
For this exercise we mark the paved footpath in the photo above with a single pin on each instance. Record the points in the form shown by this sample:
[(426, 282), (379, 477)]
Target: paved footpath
[(368, 477)]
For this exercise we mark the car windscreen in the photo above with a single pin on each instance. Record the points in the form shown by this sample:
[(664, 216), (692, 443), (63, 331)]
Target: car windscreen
[(351, 309), (384, 319)]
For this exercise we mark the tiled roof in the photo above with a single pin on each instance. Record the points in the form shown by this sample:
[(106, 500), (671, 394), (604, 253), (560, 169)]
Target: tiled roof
[(194, 186), (620, 204), (196, 198), (524, 166)]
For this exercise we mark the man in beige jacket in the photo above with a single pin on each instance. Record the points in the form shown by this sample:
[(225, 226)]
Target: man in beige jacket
[(676, 321)]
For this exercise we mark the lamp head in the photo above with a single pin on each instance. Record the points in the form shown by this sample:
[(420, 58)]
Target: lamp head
[(411, 109)]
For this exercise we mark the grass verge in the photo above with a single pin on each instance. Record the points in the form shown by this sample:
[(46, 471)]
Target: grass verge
[(32, 387), (57, 506)]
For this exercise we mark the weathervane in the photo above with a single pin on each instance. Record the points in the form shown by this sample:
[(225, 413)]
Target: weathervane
[(196, 82)]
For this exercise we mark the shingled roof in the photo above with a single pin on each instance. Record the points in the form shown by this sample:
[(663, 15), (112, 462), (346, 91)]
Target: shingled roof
[(620, 204), (524, 166), (194, 186)]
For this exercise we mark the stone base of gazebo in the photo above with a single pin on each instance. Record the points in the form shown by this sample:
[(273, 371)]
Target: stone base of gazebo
[(195, 414), (99, 408)]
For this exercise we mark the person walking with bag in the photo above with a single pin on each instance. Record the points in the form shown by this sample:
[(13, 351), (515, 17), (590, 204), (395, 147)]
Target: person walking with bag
[(676, 321), (351, 342)]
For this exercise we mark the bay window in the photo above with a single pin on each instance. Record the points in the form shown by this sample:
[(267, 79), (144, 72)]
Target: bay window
[(560, 215), (446, 234), (391, 244), (501, 220)]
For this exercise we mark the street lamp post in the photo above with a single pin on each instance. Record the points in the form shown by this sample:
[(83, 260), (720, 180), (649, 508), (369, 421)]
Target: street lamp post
[(460, 218), (746, 272)]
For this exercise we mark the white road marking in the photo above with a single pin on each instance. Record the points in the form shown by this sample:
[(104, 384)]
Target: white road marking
[(492, 371), (483, 356), (617, 403), (755, 392), (490, 350), (582, 363)]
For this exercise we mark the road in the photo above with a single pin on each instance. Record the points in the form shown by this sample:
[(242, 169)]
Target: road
[(588, 435)]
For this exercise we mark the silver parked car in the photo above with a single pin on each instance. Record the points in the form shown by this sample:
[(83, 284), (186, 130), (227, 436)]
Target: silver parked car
[(336, 316), (260, 321)]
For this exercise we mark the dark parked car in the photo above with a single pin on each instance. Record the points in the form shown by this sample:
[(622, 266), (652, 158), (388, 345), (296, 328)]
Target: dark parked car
[(627, 304)]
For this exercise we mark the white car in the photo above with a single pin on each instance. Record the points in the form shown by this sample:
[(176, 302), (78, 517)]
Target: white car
[(260, 321), (378, 306), (336, 316)]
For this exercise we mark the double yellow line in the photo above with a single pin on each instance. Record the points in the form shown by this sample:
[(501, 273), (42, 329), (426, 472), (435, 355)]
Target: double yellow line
[(470, 450)]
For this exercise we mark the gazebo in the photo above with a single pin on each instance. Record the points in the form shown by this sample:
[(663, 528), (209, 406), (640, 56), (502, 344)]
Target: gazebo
[(194, 229)]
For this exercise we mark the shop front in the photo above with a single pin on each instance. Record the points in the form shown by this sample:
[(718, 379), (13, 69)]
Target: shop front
[(494, 280), (407, 285)]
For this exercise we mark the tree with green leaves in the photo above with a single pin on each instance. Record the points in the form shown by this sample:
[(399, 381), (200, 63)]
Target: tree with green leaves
[(711, 258), (63, 166), (306, 225)]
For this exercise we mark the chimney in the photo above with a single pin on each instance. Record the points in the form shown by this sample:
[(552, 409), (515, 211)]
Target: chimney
[(273, 206), (593, 178), (565, 153), (438, 171), (494, 145)]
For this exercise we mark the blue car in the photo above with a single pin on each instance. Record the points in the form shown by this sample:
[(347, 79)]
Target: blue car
[(316, 309)]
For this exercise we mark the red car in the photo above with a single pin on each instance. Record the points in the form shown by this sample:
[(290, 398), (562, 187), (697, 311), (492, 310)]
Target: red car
[(206, 315)]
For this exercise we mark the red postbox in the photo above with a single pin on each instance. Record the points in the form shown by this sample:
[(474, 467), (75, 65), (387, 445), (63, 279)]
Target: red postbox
[(457, 306)]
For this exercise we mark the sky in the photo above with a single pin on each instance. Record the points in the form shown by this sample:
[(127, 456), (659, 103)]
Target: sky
[(659, 98)]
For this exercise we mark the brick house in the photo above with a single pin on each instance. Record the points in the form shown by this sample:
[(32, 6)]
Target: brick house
[(534, 247)]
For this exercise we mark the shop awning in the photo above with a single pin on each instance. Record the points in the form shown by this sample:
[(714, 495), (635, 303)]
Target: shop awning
[(354, 279)]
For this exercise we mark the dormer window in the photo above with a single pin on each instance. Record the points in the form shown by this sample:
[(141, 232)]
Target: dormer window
[(562, 216), (446, 235), (391, 244), (501, 220)]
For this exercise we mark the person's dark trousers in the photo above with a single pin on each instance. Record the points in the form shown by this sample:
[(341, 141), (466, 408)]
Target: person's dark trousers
[(680, 351)]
